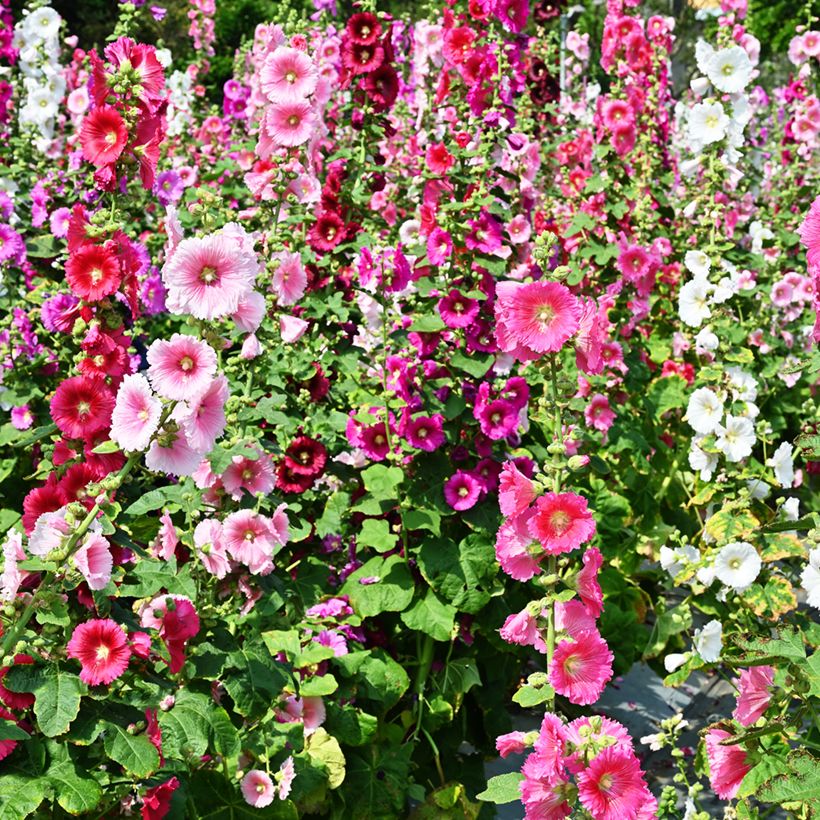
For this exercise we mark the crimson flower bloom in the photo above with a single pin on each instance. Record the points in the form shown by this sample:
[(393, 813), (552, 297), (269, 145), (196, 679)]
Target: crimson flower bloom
[(93, 272), (101, 648), (103, 136), (81, 407), (306, 456)]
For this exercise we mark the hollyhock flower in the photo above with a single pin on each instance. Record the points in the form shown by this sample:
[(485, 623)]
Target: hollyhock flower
[(47, 498), (736, 438), (729, 70), (512, 14), (810, 579), (94, 561), (704, 411), (171, 454), (101, 648), (737, 565), (169, 188), (310, 712), (545, 797), (306, 456), (21, 417), (707, 123), (285, 777), (535, 318), (485, 233), (203, 418), (516, 492), (562, 522), (573, 618), (136, 413), (103, 136), (522, 629), (292, 328), (207, 276), (590, 338), (727, 764), (289, 123), (59, 313), (439, 246), (327, 232), (255, 475), (755, 694), (81, 407), (513, 743), (438, 159), (457, 310), (210, 549), (11, 577), (156, 802), (250, 311), (498, 419), (425, 432), (289, 280), (612, 786), (580, 668), (586, 582), (599, 731), (251, 540), (708, 641), (177, 621), (288, 75), (516, 550), (462, 490), (809, 231), (167, 540), (617, 115), (258, 789), (181, 367), (598, 413), (142, 60), (782, 464)]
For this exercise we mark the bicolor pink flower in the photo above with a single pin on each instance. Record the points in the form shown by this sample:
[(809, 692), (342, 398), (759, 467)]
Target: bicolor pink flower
[(288, 75), (462, 490), (94, 561), (598, 414), (258, 789), (516, 549), (250, 539), (82, 407), (203, 420), (289, 123), (512, 743), (515, 491), (210, 549), (166, 542), (544, 797), (255, 475), (580, 668), (522, 629), (173, 456), (728, 765), (285, 778), (612, 786), (535, 318), (755, 694), (102, 650), (561, 522), (289, 279), (181, 367), (586, 582), (439, 247), (250, 311), (136, 413)]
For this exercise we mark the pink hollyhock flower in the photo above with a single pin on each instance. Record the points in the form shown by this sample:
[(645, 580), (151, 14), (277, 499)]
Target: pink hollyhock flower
[(210, 548), (94, 561), (102, 650), (166, 542), (181, 367), (580, 668), (310, 712), (573, 618), (157, 800), (516, 550), (12, 577), (522, 629), (612, 786), (204, 419), (177, 621), (561, 522), (207, 276), (141, 59), (727, 764), (333, 640), (462, 490), (551, 744), (439, 247), (485, 233), (258, 789), (535, 318), (585, 732), (288, 75), (21, 417), (250, 539), (438, 159), (587, 584), (136, 413), (425, 432), (289, 123), (809, 232), (253, 475), (289, 279), (103, 136), (285, 778), (755, 694), (250, 311), (513, 743), (515, 491), (81, 407), (49, 531), (598, 413), (292, 328), (519, 229), (7, 746), (512, 14), (173, 456), (251, 348), (457, 310), (497, 419), (545, 797)]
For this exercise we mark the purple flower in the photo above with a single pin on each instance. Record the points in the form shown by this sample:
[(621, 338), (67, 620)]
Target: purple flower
[(158, 12), (59, 312), (334, 641), (233, 90), (462, 490), (425, 432), (169, 188), (152, 293), (59, 222)]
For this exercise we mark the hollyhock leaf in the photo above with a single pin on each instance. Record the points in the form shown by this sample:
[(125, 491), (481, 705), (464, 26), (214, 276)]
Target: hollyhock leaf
[(668, 393), (803, 524), (580, 222), (20, 796), (379, 677), (503, 788), (431, 323), (461, 574), (350, 726), (376, 533), (217, 798), (766, 769), (732, 525), (256, 681), (431, 616), (801, 783), (667, 624), (106, 447), (813, 665), (76, 791), (55, 612), (223, 735), (57, 695), (369, 506), (422, 519), (336, 506), (772, 600), (318, 687), (476, 365), (379, 776), (325, 749), (381, 481), (391, 593), (155, 500), (529, 696), (8, 518), (755, 651), (282, 640), (11, 731), (185, 726), (135, 753), (458, 677), (42, 247)]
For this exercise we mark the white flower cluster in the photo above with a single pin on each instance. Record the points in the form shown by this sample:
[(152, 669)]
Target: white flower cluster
[(699, 294), (37, 36), (180, 102)]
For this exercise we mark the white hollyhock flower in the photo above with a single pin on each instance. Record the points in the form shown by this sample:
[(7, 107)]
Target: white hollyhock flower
[(42, 24), (697, 263), (737, 565), (724, 290), (782, 464), (791, 509), (729, 70), (675, 560), (705, 463), (744, 385), (810, 578), (758, 489), (707, 123), (736, 438), (699, 85), (693, 302), (706, 341), (703, 55), (759, 235), (709, 641), (704, 411), (674, 660), (741, 110)]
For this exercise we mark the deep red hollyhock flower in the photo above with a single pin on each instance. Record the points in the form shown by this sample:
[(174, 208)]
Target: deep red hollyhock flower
[(382, 87), (93, 272), (327, 232), (319, 385), (156, 802), (153, 730), (150, 133), (103, 463), (179, 623), (78, 225), (47, 498), (16, 700), (63, 453), (81, 407), (103, 136), (289, 482), (361, 59), (364, 28), (7, 746), (74, 484), (306, 456)]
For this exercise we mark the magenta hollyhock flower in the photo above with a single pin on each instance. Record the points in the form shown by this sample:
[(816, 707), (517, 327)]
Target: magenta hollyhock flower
[(210, 548), (485, 233), (288, 75), (551, 743), (512, 14), (171, 454), (289, 279), (586, 582), (21, 417), (180, 623), (425, 432), (544, 795), (590, 338), (612, 786), (456, 310), (102, 650), (181, 367), (809, 231), (462, 490), (373, 440), (250, 538), (616, 115), (59, 312), (535, 318), (728, 765), (512, 743), (203, 417), (755, 694), (498, 419), (581, 667), (255, 475), (333, 640), (289, 123), (516, 550), (12, 245), (82, 407), (561, 522), (94, 561), (598, 414), (439, 247), (136, 413), (522, 629), (515, 491), (573, 618), (156, 802)]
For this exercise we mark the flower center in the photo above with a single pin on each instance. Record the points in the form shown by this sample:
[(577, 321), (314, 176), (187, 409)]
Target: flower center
[(83, 408), (208, 275), (293, 120), (291, 77), (463, 492), (96, 275), (422, 433), (102, 653), (249, 535), (186, 363), (560, 521), (111, 138), (247, 473)]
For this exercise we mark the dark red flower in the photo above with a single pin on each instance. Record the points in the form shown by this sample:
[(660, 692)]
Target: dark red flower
[(47, 498), (81, 407), (306, 456), (382, 87), (327, 232), (289, 482), (361, 59), (74, 484), (179, 623), (364, 28)]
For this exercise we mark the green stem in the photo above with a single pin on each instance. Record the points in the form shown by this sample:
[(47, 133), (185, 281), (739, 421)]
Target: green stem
[(422, 673)]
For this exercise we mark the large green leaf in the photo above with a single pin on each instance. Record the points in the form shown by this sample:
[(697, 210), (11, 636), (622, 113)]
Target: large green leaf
[(76, 791), (431, 616), (57, 694), (378, 676), (135, 753), (388, 586), (800, 784), (502, 788), (20, 796), (255, 680)]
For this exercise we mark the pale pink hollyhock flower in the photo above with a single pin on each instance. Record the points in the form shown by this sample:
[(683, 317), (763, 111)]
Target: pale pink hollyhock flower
[(78, 101), (181, 367), (251, 348), (167, 539), (516, 549), (173, 230), (522, 629), (94, 561), (285, 778), (755, 694), (591, 337), (782, 293), (580, 668), (250, 539), (258, 789), (811, 43), (49, 531), (153, 612), (253, 475), (515, 491), (586, 582), (292, 328), (289, 280), (210, 549), (518, 229), (249, 312), (612, 786), (310, 712), (280, 525), (562, 522), (174, 457), (136, 413), (513, 743), (288, 123), (288, 75), (598, 413), (727, 764), (207, 276), (11, 578), (203, 418), (573, 618)]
